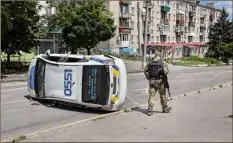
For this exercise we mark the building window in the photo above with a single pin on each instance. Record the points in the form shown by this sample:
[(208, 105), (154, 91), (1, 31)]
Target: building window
[(157, 39), (124, 37), (148, 38), (124, 8), (152, 39), (124, 22), (163, 38), (168, 38)]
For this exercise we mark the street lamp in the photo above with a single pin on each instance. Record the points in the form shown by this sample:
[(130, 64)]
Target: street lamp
[(145, 31)]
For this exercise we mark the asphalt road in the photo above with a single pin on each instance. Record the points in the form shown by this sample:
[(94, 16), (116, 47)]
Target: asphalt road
[(204, 117), (22, 116)]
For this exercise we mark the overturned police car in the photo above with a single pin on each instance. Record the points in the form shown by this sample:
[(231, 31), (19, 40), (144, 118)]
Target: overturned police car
[(96, 81)]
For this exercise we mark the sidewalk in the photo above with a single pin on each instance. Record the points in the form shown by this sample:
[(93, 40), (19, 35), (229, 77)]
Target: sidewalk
[(204, 117)]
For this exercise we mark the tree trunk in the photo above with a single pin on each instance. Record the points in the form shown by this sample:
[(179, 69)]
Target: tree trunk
[(88, 51), (8, 60)]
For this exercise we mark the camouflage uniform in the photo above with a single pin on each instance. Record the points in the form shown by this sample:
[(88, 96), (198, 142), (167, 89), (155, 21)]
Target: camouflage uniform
[(157, 85)]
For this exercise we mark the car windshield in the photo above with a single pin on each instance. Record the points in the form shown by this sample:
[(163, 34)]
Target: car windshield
[(95, 84)]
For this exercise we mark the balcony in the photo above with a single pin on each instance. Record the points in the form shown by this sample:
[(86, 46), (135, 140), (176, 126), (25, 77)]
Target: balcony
[(202, 24), (179, 33), (149, 31), (180, 22), (180, 11), (191, 24), (164, 20), (165, 8), (149, 18), (191, 13), (150, 5), (202, 33), (125, 29), (203, 15), (125, 2), (124, 44), (191, 33), (124, 15), (164, 32)]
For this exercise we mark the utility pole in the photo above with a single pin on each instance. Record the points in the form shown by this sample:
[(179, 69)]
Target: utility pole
[(145, 41), (139, 30), (54, 46)]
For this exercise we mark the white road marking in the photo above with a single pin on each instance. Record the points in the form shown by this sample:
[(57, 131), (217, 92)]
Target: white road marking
[(10, 103), (132, 100), (13, 84), (14, 89)]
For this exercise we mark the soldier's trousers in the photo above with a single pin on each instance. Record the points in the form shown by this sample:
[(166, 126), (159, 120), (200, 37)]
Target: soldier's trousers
[(153, 88)]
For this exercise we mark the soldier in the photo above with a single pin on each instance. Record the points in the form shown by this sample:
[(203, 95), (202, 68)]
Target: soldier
[(154, 72)]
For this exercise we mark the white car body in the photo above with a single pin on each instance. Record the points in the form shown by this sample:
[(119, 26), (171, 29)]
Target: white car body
[(98, 81)]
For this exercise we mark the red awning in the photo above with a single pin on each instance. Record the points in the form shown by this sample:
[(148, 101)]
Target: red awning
[(190, 46), (176, 44)]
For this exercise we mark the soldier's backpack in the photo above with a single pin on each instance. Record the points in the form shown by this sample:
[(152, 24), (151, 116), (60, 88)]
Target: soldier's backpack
[(155, 69)]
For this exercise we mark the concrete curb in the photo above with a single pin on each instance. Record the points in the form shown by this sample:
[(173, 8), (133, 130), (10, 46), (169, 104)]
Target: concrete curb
[(130, 109)]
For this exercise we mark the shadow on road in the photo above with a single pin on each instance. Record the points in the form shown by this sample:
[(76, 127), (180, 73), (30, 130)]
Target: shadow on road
[(144, 111), (64, 106), (230, 116)]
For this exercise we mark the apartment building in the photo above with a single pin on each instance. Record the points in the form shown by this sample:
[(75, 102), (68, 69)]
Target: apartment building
[(180, 26), (171, 24)]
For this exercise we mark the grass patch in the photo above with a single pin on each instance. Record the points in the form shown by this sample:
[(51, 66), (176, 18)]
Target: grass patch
[(19, 138), (195, 61), (128, 110), (26, 57)]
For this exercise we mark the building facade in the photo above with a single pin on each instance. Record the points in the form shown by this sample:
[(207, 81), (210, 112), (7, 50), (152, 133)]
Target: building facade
[(181, 26), (169, 22)]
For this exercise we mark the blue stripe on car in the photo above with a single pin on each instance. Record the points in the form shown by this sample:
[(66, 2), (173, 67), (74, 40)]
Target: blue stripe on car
[(32, 78), (114, 66), (97, 60)]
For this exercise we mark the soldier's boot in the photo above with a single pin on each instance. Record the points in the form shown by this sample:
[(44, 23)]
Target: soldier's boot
[(167, 110), (150, 112)]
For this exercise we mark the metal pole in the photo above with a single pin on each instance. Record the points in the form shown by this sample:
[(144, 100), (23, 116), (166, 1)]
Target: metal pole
[(139, 32), (145, 42), (54, 47)]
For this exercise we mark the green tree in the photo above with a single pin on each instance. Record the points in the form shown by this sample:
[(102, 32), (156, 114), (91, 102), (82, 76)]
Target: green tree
[(220, 34), (227, 51), (19, 25), (85, 23)]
